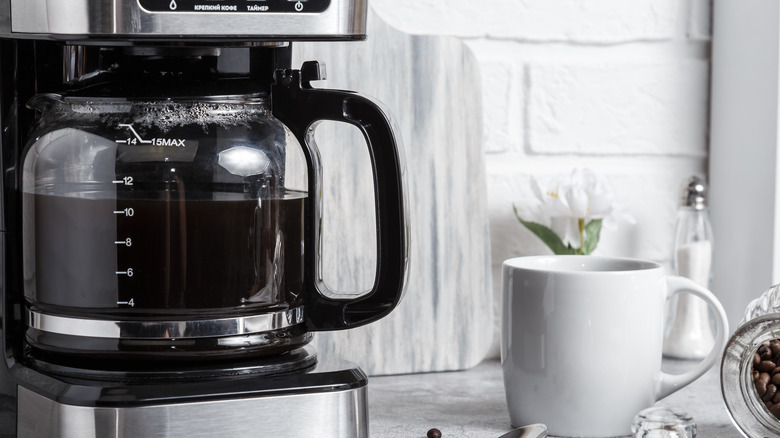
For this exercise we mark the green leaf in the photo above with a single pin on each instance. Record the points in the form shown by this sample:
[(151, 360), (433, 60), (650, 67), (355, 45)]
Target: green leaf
[(592, 235), (547, 236)]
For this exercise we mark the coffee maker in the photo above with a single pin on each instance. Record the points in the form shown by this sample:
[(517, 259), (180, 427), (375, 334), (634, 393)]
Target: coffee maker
[(160, 220)]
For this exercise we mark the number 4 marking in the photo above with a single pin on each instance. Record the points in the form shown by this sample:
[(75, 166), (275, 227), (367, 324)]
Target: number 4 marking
[(130, 303)]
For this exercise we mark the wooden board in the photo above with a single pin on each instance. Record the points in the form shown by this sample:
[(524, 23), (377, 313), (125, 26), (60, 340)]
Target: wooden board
[(431, 86)]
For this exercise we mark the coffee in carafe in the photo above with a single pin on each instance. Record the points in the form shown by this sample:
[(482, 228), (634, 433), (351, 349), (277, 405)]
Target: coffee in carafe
[(173, 253)]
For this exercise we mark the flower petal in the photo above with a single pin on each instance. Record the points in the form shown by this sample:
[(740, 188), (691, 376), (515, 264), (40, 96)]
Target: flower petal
[(617, 216), (558, 207), (568, 229), (537, 189), (578, 202), (600, 203)]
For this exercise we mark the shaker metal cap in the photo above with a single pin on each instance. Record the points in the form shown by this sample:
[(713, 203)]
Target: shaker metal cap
[(694, 193)]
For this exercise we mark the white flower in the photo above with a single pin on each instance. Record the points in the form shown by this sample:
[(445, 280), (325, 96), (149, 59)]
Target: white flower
[(571, 201), (588, 196)]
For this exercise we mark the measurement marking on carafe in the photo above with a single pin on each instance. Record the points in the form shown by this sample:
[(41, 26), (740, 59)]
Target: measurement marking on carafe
[(128, 272), (128, 181), (168, 142), (130, 303), (129, 212), (137, 137), (126, 242)]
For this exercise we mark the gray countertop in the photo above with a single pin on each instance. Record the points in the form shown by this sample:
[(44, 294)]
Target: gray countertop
[(471, 404)]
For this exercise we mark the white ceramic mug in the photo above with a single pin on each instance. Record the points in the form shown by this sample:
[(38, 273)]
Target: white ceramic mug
[(581, 341)]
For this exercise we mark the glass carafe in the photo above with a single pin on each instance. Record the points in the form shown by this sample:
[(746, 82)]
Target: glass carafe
[(185, 227)]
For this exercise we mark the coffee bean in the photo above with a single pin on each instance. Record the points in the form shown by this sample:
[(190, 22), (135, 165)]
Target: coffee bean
[(434, 433), (774, 345), (761, 383), (766, 375), (771, 390)]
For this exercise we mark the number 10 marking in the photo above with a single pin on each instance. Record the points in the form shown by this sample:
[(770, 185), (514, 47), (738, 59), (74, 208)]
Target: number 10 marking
[(129, 212)]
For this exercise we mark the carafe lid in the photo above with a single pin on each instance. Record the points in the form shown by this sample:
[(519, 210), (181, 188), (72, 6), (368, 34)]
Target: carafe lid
[(177, 73), (165, 88)]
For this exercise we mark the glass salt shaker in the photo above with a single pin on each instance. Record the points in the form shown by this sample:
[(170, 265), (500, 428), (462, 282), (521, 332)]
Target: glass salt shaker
[(689, 333), (750, 363)]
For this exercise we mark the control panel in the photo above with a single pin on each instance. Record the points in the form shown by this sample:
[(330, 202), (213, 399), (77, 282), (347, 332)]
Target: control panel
[(117, 22), (251, 6)]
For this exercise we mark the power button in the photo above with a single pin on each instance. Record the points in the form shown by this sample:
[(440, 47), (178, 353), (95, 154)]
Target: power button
[(298, 4)]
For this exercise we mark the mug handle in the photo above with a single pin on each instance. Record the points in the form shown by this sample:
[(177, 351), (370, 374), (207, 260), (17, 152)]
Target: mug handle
[(670, 383)]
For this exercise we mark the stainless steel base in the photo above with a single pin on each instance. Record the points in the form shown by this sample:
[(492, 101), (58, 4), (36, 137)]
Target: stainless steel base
[(337, 414)]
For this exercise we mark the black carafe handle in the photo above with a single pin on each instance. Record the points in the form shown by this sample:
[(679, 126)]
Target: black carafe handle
[(299, 106)]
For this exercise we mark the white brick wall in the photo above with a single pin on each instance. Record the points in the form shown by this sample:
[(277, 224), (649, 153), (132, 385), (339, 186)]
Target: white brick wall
[(618, 108), (571, 21), (619, 86)]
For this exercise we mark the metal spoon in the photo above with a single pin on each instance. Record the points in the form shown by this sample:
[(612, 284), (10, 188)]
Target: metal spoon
[(531, 431)]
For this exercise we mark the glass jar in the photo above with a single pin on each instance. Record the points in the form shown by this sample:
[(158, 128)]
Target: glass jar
[(747, 357)]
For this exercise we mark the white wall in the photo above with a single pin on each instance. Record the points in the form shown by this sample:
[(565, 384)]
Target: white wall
[(619, 86), (745, 141)]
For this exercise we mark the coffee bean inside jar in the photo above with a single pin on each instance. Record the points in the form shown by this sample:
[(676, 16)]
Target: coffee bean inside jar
[(766, 375)]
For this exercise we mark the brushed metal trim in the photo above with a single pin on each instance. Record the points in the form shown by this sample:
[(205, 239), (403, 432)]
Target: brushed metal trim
[(150, 329), (337, 414), (90, 19)]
